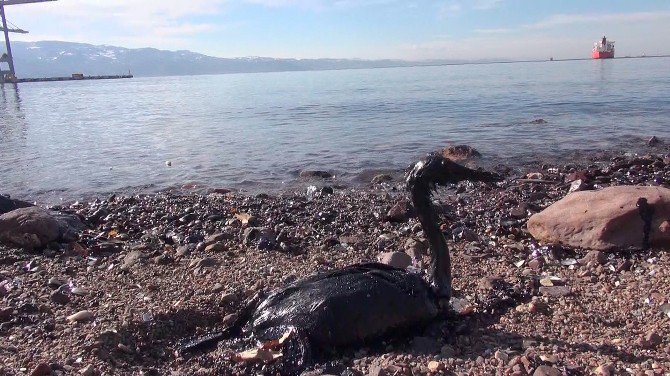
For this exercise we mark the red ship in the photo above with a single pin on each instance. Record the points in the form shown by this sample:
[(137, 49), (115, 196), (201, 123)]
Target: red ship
[(603, 49)]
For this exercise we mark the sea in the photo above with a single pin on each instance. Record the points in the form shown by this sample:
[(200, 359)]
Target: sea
[(65, 141)]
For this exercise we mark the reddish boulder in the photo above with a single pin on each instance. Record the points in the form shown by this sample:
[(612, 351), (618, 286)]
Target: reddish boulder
[(604, 219)]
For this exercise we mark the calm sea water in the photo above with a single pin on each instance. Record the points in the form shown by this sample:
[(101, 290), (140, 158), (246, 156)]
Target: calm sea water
[(71, 140)]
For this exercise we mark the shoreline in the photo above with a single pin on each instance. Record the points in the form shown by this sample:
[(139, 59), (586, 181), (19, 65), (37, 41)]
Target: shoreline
[(151, 275)]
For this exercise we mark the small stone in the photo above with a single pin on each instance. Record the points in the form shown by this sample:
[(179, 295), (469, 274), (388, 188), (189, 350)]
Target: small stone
[(229, 320), (206, 262), (399, 260), (400, 212), (604, 370), (653, 141), (216, 247), (6, 314), (41, 369), (447, 351), (131, 259), (228, 298), (665, 227), (55, 282), (415, 249), (185, 250), (577, 186), (500, 355), (547, 371), (81, 316), (597, 257), (535, 176), (650, 340), (59, 297), (555, 291), (435, 366), (216, 238), (536, 264), (89, 371), (519, 212), (382, 178), (80, 291)]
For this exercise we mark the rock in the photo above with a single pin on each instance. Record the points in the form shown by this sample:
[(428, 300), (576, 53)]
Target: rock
[(547, 371), (7, 204), (536, 264), (538, 121), (41, 369), (603, 219), (131, 259), (460, 152), (6, 314), (555, 291), (519, 212), (447, 351), (382, 178), (664, 227), (425, 345), (400, 212), (59, 297), (653, 141), (29, 228), (396, 259), (650, 340), (415, 249), (501, 355), (577, 186), (264, 238), (604, 370), (89, 371), (311, 174), (535, 176), (216, 238), (216, 247), (434, 366), (185, 250), (206, 262), (597, 257), (81, 316)]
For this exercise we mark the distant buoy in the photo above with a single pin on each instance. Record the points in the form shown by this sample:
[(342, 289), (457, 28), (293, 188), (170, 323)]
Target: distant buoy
[(168, 163)]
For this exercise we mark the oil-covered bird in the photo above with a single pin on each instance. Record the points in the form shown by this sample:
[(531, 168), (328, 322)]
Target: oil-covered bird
[(362, 302)]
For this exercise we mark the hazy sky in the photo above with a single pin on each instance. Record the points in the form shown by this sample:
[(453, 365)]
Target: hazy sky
[(370, 29)]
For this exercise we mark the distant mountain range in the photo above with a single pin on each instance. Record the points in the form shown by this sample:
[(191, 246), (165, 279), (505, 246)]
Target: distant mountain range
[(50, 59)]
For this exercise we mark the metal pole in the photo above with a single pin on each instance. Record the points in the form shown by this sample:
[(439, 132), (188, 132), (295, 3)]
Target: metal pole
[(10, 59)]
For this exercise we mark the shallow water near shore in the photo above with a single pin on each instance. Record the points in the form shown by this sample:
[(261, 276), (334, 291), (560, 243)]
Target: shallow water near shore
[(256, 132)]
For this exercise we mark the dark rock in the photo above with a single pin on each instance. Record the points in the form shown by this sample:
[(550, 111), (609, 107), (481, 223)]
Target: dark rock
[(311, 174), (382, 178), (653, 141), (400, 212), (460, 152), (41, 369), (7, 204), (425, 345), (536, 264), (59, 297), (538, 121), (29, 228)]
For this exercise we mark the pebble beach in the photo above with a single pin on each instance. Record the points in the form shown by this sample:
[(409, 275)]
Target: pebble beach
[(150, 270)]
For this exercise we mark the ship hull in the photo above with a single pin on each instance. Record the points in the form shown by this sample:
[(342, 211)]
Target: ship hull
[(602, 55)]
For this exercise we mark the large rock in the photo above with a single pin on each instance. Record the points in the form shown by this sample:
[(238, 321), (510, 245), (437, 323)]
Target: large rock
[(604, 219), (7, 204), (35, 227)]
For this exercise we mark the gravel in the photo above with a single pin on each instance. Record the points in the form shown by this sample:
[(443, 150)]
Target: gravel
[(154, 269)]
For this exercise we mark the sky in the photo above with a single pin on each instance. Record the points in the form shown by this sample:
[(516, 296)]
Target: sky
[(366, 29)]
